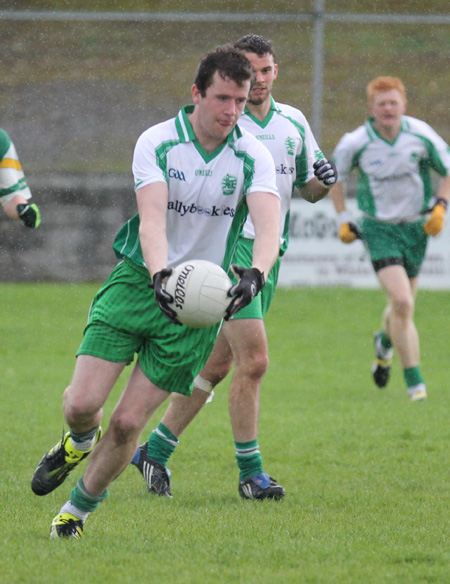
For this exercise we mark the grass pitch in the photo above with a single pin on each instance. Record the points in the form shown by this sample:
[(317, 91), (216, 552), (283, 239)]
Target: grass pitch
[(366, 472)]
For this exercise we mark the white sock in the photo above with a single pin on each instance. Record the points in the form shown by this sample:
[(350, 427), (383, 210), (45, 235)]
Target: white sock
[(84, 446), (383, 353), (70, 508), (416, 388)]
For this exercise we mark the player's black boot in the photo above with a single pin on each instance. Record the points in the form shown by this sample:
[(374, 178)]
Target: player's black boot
[(261, 487), (55, 466), (381, 366), (155, 474), (66, 525)]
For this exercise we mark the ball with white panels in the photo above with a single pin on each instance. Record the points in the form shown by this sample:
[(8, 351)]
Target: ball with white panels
[(200, 292)]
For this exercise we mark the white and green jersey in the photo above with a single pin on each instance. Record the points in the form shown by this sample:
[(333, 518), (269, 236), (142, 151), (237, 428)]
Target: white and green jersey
[(287, 135), (394, 177), (12, 179), (207, 192)]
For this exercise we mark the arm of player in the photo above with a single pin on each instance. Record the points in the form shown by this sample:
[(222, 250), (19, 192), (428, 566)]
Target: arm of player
[(20, 208), (314, 191), (10, 207), (325, 177), (265, 213), (264, 210), (348, 230), (14, 188), (436, 221), (152, 202)]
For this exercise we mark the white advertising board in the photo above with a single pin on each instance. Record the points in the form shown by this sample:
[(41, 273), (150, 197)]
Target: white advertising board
[(317, 257)]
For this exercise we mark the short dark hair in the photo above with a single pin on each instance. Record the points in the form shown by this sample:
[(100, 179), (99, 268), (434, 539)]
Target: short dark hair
[(228, 62), (254, 43)]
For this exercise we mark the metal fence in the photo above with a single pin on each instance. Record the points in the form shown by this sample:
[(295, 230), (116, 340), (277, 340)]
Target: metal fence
[(77, 89), (319, 18)]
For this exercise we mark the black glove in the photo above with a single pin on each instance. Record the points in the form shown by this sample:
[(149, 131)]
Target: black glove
[(325, 170), (355, 229), (29, 214), (163, 298), (251, 280)]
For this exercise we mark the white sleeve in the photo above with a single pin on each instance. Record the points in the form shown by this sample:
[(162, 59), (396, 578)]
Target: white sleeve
[(12, 178), (343, 157), (313, 152), (145, 165), (264, 178), (310, 152), (440, 153)]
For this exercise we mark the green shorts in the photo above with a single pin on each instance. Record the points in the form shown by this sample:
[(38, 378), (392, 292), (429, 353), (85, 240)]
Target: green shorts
[(396, 244), (259, 306), (124, 319)]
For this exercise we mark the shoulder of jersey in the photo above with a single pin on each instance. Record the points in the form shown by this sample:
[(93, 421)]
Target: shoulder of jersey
[(415, 125), (167, 127), (246, 135), (291, 111), (250, 143), (357, 135)]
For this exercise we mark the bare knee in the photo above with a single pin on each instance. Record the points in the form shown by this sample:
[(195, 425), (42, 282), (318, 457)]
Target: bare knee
[(222, 371), (403, 306), (79, 409), (124, 428), (253, 366), (217, 371)]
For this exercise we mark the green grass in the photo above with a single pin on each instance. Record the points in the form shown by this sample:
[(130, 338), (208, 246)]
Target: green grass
[(366, 471)]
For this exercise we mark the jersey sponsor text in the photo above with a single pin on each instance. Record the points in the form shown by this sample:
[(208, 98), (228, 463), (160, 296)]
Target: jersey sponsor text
[(212, 211)]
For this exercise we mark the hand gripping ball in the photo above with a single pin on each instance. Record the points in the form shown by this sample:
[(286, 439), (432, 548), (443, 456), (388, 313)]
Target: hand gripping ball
[(199, 289)]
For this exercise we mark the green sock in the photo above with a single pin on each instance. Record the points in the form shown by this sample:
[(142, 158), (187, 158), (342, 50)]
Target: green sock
[(84, 441), (413, 376), (161, 444), (84, 436), (83, 500), (385, 340), (248, 458)]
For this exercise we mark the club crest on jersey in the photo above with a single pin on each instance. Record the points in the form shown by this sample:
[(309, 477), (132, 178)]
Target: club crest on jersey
[(290, 145), (229, 183), (176, 174)]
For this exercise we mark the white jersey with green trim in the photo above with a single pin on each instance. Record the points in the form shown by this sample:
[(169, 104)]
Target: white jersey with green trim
[(288, 137), (207, 192), (12, 178), (394, 177)]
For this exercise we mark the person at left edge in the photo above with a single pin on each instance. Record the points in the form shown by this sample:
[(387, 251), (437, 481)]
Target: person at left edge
[(14, 191), (196, 178)]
